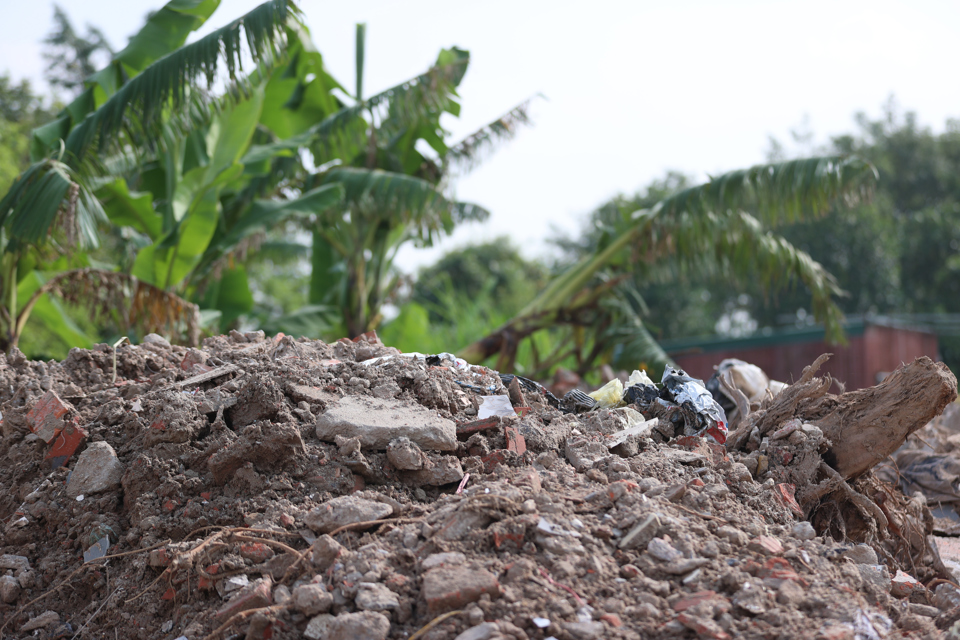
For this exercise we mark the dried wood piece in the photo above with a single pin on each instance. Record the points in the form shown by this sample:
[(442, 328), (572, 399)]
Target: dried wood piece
[(867, 425), (863, 426), (208, 375)]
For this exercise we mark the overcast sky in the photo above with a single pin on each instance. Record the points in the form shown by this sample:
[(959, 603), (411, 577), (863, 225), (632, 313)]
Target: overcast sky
[(633, 88)]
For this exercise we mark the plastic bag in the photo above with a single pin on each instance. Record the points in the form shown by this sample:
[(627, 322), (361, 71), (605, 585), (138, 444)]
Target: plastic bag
[(609, 395), (684, 390)]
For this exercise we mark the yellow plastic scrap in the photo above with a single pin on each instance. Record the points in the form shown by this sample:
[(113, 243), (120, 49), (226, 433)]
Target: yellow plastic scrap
[(609, 395)]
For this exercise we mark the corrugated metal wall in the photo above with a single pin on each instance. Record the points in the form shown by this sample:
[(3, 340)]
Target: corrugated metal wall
[(860, 364)]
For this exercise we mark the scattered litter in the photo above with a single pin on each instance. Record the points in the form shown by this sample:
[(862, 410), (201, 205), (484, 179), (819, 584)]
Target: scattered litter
[(495, 406), (609, 395), (690, 390), (98, 550), (541, 623), (554, 530), (463, 483)]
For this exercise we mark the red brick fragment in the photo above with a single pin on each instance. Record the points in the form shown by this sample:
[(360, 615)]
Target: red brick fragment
[(469, 428), (205, 582), (256, 552), (785, 496), (703, 627), (612, 619), (780, 569), (693, 600), (446, 588), (766, 544), (253, 596), (515, 441), (66, 443), (47, 416), (492, 459), (160, 557)]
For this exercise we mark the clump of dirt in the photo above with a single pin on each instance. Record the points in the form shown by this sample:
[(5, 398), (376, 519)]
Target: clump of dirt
[(240, 512)]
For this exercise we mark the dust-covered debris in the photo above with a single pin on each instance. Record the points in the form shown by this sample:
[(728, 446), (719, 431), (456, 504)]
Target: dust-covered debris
[(277, 488)]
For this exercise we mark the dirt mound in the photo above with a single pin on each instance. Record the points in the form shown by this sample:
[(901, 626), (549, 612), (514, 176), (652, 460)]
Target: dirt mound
[(279, 488)]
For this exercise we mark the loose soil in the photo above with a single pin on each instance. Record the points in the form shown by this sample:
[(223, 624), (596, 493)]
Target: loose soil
[(229, 517)]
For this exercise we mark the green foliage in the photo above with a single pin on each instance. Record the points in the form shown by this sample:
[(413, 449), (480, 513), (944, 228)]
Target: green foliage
[(21, 109), (896, 253), (393, 189), (156, 96), (698, 227), (495, 268), (70, 56)]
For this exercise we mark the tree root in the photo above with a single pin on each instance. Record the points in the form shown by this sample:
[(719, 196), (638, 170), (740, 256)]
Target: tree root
[(862, 501)]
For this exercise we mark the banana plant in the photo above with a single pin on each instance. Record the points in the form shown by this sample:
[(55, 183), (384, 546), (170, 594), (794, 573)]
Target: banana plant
[(49, 216), (145, 121), (710, 224), (394, 189)]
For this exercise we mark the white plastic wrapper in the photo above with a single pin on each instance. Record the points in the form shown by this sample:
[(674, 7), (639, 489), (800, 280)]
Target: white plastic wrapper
[(495, 406)]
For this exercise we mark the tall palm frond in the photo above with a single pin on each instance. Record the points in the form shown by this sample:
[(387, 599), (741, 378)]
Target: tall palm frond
[(164, 31), (414, 200), (343, 134), (169, 83), (467, 154), (778, 193)]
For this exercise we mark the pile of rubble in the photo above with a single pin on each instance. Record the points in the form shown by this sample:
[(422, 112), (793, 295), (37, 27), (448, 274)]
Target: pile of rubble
[(279, 488)]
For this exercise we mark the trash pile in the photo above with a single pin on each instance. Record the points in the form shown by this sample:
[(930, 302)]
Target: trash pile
[(279, 488)]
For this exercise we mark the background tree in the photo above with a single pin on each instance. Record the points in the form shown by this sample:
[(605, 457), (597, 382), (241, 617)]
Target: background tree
[(195, 177), (494, 269), (697, 227), (894, 256), (72, 58), (395, 190), (21, 110)]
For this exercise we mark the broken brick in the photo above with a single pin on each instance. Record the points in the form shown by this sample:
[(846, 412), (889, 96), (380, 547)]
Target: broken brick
[(693, 600), (492, 459), (620, 488), (205, 582), (160, 558), (612, 619), (66, 443), (446, 588), (469, 428), (256, 552), (703, 627), (253, 596), (785, 496), (766, 544), (776, 570), (47, 416), (515, 441)]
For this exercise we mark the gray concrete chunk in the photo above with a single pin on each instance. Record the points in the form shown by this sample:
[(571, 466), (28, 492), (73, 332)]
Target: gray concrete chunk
[(376, 422), (345, 510), (97, 470)]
